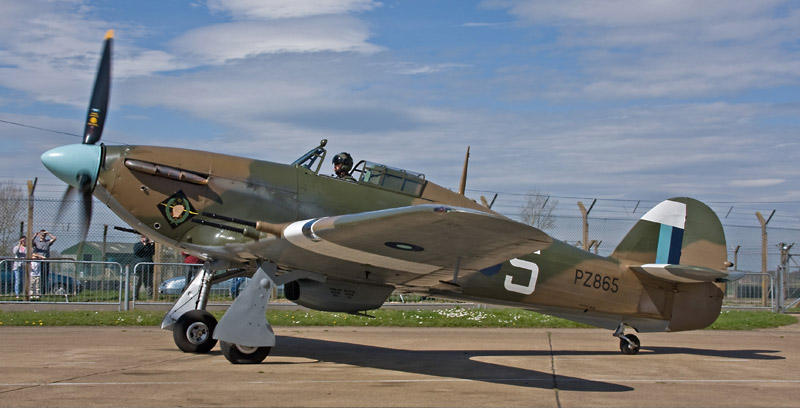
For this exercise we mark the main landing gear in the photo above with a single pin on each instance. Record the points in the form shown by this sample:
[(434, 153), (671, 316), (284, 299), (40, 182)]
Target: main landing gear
[(245, 335), (628, 343)]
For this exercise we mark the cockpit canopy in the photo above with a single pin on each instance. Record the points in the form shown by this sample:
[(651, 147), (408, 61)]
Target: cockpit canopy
[(390, 178), (369, 173)]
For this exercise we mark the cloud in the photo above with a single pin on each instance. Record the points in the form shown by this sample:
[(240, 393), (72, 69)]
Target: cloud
[(219, 43), (316, 92), (50, 49), (409, 68), (644, 13), (277, 9), (489, 25), (666, 49), (755, 182)]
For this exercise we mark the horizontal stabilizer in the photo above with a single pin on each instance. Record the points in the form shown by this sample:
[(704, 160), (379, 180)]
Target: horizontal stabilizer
[(683, 273), (733, 276)]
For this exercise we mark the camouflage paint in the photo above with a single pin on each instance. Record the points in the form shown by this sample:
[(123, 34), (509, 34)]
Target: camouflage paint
[(559, 279)]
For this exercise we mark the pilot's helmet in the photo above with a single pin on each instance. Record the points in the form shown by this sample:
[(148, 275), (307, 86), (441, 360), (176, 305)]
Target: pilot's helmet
[(345, 160)]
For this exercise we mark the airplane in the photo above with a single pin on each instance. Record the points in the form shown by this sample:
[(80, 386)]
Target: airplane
[(344, 244)]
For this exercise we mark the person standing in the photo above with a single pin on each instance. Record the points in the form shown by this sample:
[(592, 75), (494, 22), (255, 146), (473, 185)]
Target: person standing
[(19, 267), (42, 242), (236, 284), (36, 276), (144, 251), (191, 259)]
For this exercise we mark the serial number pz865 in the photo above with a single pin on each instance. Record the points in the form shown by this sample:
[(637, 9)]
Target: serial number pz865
[(596, 281)]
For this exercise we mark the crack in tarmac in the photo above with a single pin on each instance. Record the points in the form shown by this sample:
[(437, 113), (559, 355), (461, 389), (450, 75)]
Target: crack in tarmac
[(67, 380), (553, 369)]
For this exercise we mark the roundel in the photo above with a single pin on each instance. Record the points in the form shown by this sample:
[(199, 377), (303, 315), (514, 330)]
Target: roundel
[(404, 246)]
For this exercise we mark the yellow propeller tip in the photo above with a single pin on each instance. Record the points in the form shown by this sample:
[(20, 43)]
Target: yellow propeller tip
[(109, 34)]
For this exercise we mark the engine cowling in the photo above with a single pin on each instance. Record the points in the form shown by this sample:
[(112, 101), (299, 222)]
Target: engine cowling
[(336, 296)]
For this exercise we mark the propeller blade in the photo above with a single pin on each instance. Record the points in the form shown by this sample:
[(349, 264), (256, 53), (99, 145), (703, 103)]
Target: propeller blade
[(99, 103), (70, 191), (85, 183), (86, 215)]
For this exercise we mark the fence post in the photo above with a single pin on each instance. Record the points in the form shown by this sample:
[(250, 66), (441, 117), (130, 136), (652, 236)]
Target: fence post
[(781, 276), (156, 268), (585, 214), (28, 245), (764, 254), (126, 305)]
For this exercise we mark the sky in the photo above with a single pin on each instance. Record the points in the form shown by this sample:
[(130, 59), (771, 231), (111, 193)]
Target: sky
[(619, 100)]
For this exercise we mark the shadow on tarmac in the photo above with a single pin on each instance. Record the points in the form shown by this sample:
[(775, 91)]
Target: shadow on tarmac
[(440, 363), (742, 354)]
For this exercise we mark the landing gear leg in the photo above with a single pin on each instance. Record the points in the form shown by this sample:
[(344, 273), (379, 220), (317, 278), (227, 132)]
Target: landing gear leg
[(628, 343), (191, 325)]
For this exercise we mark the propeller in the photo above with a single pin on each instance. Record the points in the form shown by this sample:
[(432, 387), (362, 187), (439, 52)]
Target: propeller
[(85, 190), (78, 165), (96, 117)]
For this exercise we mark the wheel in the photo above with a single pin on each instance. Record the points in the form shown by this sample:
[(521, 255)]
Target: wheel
[(628, 348), (193, 330), (237, 354)]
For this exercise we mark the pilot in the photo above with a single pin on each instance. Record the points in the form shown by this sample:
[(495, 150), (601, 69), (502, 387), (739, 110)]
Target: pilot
[(342, 164)]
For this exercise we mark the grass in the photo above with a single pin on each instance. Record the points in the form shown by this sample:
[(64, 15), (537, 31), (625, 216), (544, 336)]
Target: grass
[(455, 317), (749, 320)]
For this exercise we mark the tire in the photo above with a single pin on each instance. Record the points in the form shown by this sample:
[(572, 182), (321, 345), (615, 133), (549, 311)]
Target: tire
[(193, 330), (626, 347), (237, 354)]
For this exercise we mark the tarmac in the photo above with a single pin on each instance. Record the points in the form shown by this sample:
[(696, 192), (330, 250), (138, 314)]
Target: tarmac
[(402, 367)]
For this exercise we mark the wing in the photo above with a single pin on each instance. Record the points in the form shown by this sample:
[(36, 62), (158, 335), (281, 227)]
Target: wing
[(407, 242), (418, 239)]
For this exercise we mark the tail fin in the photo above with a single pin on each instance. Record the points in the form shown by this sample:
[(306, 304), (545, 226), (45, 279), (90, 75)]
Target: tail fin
[(678, 231)]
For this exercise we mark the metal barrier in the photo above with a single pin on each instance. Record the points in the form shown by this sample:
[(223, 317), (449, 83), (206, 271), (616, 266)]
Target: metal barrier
[(93, 282), (792, 285), (165, 282), (787, 287), (162, 281), (64, 280), (746, 293)]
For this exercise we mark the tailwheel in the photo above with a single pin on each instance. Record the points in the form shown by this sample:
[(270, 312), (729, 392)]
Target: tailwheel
[(193, 330), (629, 344), (237, 354)]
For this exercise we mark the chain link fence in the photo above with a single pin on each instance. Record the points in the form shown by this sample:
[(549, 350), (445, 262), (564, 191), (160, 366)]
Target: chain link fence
[(99, 264)]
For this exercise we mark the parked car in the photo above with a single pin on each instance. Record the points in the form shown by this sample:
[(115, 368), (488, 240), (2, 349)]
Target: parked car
[(175, 286)]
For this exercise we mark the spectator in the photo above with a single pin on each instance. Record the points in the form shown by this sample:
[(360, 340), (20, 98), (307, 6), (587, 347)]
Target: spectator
[(191, 259), (42, 242), (19, 267), (144, 251), (236, 283), (36, 276)]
